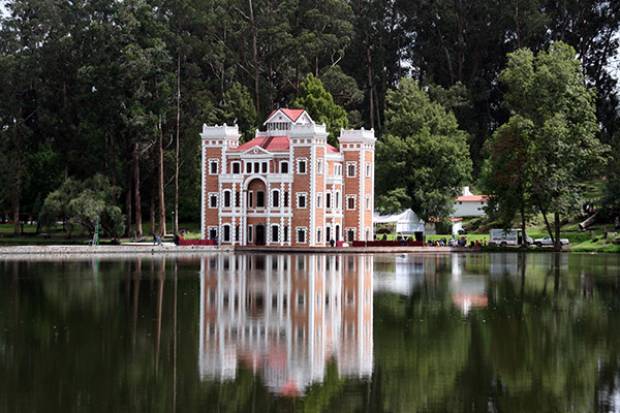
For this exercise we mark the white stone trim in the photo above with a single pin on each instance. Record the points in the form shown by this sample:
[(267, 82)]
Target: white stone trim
[(217, 200), (297, 164), (217, 166), (354, 198), (298, 195), (305, 230), (354, 165), (203, 187)]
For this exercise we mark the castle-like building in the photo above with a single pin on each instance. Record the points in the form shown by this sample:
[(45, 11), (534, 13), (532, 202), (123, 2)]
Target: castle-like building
[(287, 186)]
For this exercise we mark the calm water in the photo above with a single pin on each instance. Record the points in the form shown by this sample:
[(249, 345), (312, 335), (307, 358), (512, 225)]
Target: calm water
[(249, 333)]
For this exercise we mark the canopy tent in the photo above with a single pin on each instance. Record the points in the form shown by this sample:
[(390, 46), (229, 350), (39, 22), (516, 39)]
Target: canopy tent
[(406, 222)]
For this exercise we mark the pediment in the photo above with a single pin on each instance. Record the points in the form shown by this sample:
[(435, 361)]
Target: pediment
[(257, 150)]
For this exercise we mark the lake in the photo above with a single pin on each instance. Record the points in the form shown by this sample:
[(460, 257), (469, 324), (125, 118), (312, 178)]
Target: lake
[(313, 333)]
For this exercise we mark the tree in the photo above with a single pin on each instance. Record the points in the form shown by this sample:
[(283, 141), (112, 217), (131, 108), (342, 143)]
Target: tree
[(548, 92), (507, 174), (423, 153), (84, 204), (612, 189), (319, 103)]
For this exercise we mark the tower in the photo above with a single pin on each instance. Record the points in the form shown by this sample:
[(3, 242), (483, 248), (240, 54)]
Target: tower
[(358, 149), (216, 140)]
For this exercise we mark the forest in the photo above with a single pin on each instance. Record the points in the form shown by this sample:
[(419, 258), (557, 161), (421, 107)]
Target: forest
[(111, 95)]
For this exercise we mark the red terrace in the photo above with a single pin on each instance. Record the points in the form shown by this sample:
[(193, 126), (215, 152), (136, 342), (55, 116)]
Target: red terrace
[(287, 186)]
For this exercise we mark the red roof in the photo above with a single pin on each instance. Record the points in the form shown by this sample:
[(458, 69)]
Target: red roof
[(472, 198), (269, 143), (332, 149), (293, 114)]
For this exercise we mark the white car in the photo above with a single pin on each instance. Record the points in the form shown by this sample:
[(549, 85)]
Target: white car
[(548, 242)]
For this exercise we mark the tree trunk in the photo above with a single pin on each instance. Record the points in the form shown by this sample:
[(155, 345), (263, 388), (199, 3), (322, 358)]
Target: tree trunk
[(137, 198), (17, 228), (177, 151), (547, 224), (255, 56), (152, 210), (162, 200), (523, 229), (370, 87), (128, 207), (556, 222)]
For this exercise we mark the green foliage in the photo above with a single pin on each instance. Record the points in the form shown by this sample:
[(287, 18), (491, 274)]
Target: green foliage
[(551, 137), (423, 155), (238, 108), (85, 203), (507, 176), (321, 106)]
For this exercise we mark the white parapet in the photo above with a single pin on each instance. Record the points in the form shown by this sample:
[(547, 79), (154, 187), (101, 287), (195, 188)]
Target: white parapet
[(308, 130), (357, 136), (220, 132)]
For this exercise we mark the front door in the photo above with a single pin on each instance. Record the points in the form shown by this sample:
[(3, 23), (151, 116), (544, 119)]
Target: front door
[(260, 235)]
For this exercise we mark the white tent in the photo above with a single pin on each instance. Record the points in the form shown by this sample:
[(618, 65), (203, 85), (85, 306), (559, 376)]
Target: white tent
[(407, 222)]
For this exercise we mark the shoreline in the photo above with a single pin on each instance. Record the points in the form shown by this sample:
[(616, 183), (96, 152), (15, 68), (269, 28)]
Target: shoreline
[(169, 248), (172, 249)]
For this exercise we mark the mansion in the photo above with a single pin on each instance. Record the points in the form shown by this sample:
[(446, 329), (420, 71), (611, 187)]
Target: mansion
[(287, 186)]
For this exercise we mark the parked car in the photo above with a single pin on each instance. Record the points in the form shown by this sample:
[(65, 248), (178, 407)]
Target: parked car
[(548, 242), (502, 238)]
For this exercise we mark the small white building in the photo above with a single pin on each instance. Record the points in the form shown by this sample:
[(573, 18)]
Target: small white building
[(469, 205)]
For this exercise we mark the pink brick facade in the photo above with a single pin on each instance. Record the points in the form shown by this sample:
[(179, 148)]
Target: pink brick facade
[(288, 186)]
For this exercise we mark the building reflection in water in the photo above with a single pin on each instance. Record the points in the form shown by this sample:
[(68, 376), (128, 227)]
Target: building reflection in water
[(285, 317)]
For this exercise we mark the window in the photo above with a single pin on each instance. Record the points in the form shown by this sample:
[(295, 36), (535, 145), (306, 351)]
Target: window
[(286, 199), (318, 235), (351, 235), (284, 167), (350, 169), (301, 200), (319, 201), (338, 169), (237, 199), (328, 200), (301, 235), (212, 233), (248, 168), (260, 199), (250, 199), (319, 166), (338, 205), (236, 168), (285, 235), (275, 233), (226, 199), (368, 202), (226, 233), (351, 202), (237, 233), (212, 200), (368, 170), (213, 167), (249, 233), (301, 166), (275, 198), (264, 167)]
